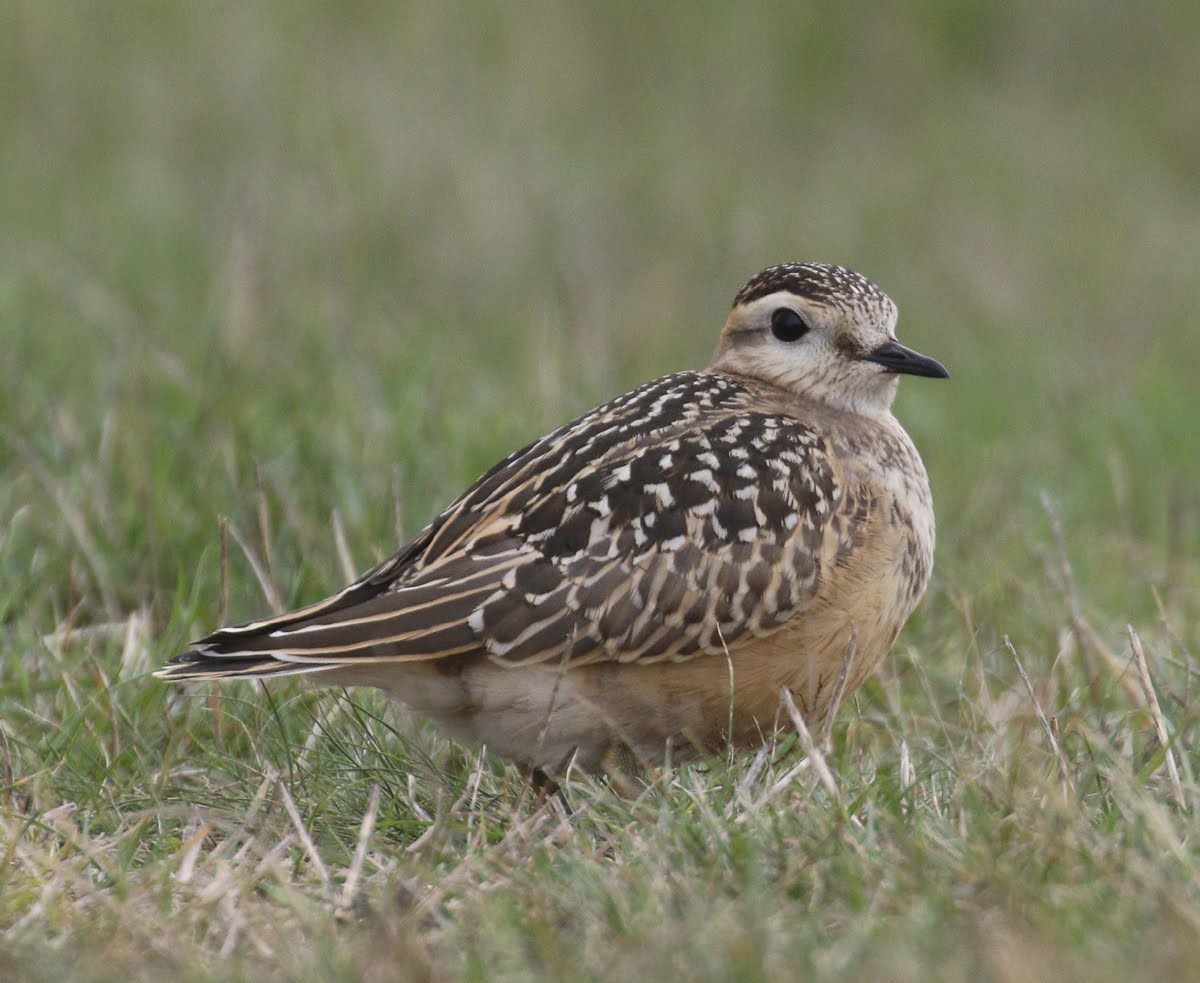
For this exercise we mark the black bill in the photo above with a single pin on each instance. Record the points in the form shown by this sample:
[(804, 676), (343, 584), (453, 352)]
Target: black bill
[(894, 357)]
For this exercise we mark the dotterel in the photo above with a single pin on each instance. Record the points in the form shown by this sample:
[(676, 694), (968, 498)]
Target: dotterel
[(654, 574)]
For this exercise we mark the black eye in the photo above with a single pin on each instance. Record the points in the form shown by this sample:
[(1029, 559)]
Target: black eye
[(787, 325)]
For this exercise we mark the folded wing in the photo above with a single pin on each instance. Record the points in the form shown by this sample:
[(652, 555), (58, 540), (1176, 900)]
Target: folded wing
[(606, 540)]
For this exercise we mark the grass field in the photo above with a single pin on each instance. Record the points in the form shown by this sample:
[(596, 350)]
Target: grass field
[(302, 271)]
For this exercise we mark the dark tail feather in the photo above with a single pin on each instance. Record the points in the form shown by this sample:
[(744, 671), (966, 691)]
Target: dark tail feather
[(419, 622), (198, 665)]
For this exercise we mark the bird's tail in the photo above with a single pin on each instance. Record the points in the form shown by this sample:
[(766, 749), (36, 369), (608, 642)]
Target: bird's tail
[(364, 624), (235, 652), (198, 664)]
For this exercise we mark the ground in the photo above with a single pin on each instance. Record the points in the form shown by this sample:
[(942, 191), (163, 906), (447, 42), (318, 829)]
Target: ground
[(277, 281)]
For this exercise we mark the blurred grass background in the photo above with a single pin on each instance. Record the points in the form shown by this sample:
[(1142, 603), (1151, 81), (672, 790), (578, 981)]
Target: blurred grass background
[(275, 261)]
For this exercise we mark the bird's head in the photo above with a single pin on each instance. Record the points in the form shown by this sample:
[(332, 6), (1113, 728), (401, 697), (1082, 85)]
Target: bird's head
[(820, 331)]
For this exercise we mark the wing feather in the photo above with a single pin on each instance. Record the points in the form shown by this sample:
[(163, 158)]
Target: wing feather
[(612, 538)]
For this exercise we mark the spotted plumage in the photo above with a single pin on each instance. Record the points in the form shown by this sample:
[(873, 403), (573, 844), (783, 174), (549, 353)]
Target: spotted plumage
[(816, 281), (696, 544)]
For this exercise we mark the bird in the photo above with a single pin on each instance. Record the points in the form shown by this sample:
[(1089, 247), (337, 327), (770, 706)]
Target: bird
[(648, 582)]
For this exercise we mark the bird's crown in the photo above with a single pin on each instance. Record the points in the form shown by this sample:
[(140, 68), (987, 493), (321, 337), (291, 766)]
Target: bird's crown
[(815, 281)]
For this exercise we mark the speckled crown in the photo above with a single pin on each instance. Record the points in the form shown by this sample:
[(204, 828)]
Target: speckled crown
[(815, 281)]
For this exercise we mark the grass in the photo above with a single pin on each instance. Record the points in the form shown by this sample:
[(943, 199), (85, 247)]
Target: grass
[(305, 270)]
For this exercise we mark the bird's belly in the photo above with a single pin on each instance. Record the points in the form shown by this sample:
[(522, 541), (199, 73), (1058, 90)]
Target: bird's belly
[(820, 656), (544, 715)]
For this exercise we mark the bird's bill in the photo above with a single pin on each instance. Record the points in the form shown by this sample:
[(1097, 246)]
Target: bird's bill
[(898, 358)]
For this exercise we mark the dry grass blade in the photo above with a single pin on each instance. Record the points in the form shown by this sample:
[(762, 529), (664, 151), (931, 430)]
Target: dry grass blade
[(350, 888), (839, 692), (223, 594), (908, 773), (127, 629), (398, 503), (263, 508), (265, 582), (729, 675), (1156, 714), (306, 841), (442, 818), (815, 754), (76, 522), (1088, 637), (1063, 770), (191, 851), (345, 560)]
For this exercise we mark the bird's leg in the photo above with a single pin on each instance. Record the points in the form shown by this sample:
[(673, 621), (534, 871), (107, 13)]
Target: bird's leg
[(545, 787), (626, 774)]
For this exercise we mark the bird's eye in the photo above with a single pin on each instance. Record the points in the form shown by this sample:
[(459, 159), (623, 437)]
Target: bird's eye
[(787, 325)]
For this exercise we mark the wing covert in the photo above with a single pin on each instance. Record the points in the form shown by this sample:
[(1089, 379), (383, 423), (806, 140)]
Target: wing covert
[(678, 548)]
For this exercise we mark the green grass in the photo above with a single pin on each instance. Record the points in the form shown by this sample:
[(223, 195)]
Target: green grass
[(279, 263)]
